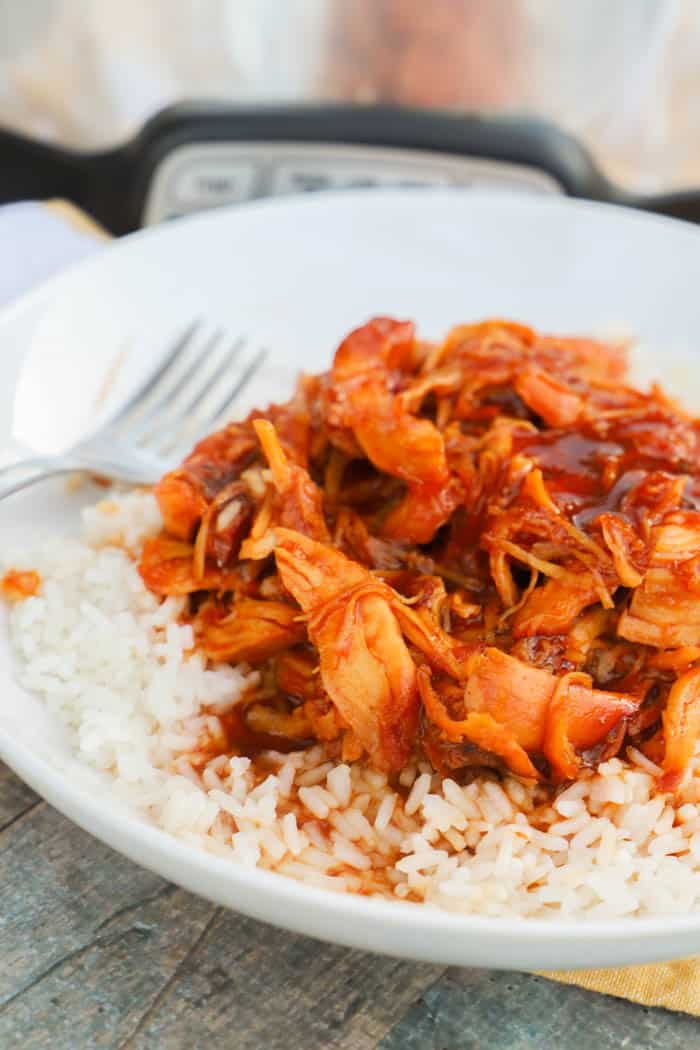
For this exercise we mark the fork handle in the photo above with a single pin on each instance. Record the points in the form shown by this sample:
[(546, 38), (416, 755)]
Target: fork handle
[(35, 470), (31, 464), (22, 474)]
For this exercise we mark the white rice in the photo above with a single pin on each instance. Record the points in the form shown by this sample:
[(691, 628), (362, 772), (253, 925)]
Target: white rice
[(118, 670)]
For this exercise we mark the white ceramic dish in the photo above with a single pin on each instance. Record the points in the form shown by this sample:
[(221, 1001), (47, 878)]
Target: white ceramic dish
[(296, 275)]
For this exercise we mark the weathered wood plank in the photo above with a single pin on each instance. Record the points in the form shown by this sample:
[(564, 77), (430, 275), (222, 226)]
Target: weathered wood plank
[(15, 797), (91, 944), (247, 985), (96, 996), (57, 885), (89, 940), (488, 1010)]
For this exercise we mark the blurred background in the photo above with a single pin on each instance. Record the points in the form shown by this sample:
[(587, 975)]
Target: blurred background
[(623, 75)]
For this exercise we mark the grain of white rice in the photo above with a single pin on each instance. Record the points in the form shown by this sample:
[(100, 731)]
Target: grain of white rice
[(361, 802), (294, 839), (641, 760), (665, 821), (686, 813), (407, 775), (570, 807), (375, 780), (116, 667), (499, 801), (455, 839), (345, 851), (273, 845), (339, 784), (315, 835), (386, 808), (314, 798), (571, 826), (315, 775), (420, 789)]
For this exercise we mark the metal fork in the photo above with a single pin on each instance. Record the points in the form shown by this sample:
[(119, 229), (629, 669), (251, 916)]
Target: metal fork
[(186, 395)]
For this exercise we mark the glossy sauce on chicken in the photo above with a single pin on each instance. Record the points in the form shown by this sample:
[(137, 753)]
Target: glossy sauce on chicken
[(486, 551)]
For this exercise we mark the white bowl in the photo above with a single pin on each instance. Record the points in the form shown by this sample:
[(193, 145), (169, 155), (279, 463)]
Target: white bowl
[(296, 275)]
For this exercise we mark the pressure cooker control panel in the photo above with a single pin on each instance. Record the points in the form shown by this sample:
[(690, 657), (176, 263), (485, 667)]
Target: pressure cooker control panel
[(202, 155), (196, 176)]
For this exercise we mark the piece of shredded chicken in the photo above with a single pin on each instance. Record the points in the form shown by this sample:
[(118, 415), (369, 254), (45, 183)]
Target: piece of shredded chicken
[(484, 551)]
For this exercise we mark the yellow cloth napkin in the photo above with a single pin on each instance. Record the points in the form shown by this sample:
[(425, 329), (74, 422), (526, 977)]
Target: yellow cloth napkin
[(673, 985)]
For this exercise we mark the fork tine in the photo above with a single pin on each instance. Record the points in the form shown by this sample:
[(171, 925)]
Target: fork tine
[(151, 381), (211, 382), (163, 410), (163, 432), (185, 438), (238, 386), (185, 417), (178, 420)]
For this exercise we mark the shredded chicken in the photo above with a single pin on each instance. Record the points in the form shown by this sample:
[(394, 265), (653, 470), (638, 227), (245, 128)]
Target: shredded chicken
[(484, 551)]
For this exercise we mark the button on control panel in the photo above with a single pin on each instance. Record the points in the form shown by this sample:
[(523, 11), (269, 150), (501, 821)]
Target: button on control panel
[(203, 183), (301, 177)]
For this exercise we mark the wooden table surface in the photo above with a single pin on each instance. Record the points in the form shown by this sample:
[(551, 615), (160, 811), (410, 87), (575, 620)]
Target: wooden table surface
[(97, 952)]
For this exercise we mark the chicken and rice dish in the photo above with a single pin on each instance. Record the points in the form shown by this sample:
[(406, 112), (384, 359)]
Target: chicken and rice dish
[(429, 629)]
